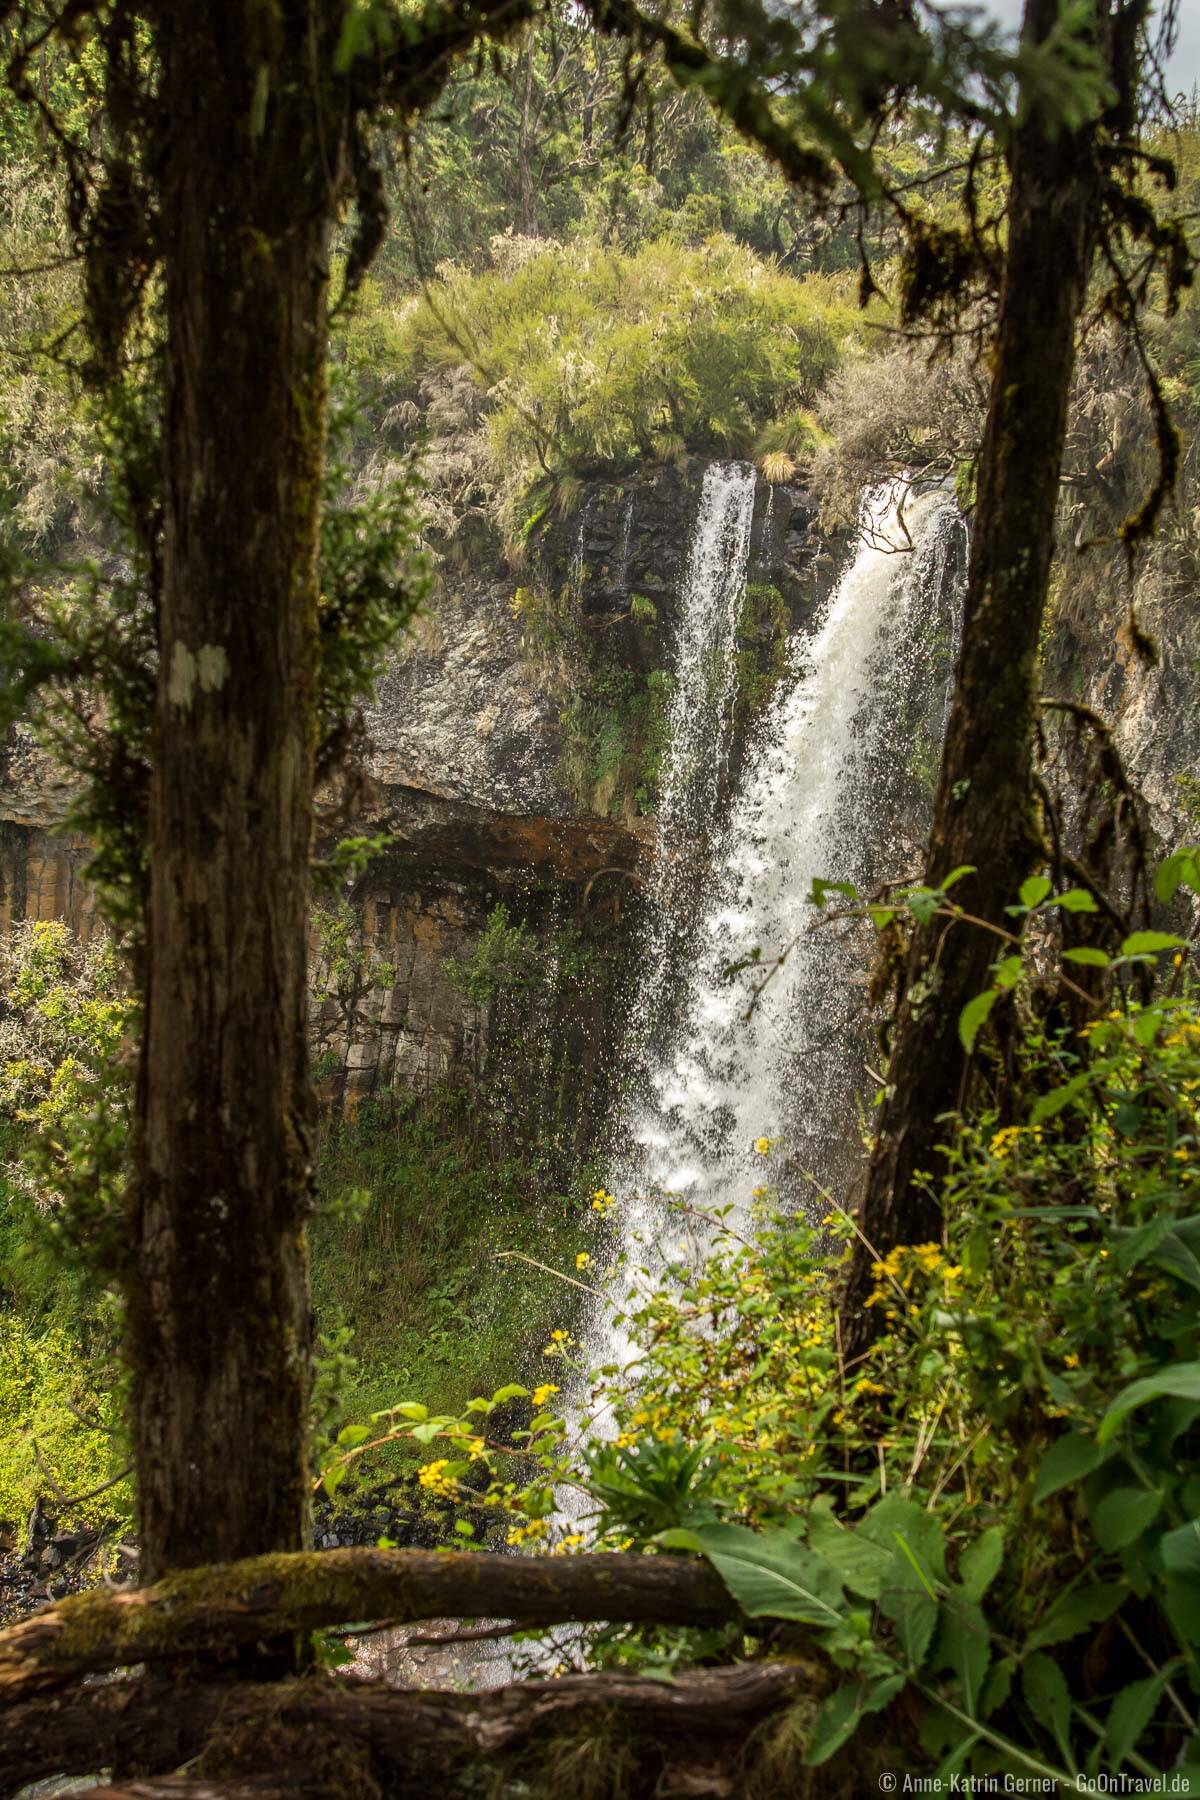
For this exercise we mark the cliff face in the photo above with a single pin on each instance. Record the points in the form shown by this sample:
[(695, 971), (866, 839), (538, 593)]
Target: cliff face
[(1149, 695), (486, 950)]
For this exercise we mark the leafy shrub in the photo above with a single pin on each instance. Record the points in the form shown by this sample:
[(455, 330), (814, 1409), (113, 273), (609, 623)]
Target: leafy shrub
[(65, 1013), (594, 359), (504, 959)]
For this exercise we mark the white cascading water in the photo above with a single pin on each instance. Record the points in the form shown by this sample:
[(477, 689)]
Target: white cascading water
[(820, 796), (714, 581)]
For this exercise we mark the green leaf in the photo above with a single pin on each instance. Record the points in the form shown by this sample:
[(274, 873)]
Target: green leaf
[(1181, 1382), (1146, 943), (678, 1537), (895, 1520), (881, 916), (913, 1610), (1183, 1608), (964, 1645), (1130, 1713), (922, 903), (957, 875), (351, 1436), (972, 1016), (1133, 1243), (997, 1687), (1034, 890), (1048, 1106), (514, 1391), (1180, 869), (1090, 958), (1047, 1696), (411, 1409), (1127, 1119), (1122, 1516), (771, 1576), (980, 1563), (1180, 1549), (843, 1712), (1075, 1612), (1009, 971), (820, 890), (1076, 900), (1174, 1255), (861, 1564)]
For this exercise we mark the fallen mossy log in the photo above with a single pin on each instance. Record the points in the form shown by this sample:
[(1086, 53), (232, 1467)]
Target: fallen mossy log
[(329, 1738), (212, 1611)]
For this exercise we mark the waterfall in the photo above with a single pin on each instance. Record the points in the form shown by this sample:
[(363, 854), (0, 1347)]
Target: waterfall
[(842, 762), (714, 581), (699, 728)]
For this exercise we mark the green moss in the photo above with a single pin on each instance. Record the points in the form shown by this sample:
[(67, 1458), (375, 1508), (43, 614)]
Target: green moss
[(761, 653), (615, 723)]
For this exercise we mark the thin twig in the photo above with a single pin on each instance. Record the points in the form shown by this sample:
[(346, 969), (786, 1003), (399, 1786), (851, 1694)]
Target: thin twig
[(519, 1256)]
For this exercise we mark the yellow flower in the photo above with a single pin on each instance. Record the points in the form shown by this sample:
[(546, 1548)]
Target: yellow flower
[(1071, 1360), (543, 1393), (763, 1146), (433, 1477), (582, 1260), (533, 1528)]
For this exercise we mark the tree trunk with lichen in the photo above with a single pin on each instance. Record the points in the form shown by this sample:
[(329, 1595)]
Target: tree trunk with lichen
[(219, 1333), (985, 814)]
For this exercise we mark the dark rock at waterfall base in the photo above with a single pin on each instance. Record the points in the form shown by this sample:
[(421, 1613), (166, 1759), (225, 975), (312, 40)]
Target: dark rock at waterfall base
[(53, 1560)]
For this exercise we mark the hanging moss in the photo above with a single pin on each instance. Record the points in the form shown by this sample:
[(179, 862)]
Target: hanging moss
[(761, 654)]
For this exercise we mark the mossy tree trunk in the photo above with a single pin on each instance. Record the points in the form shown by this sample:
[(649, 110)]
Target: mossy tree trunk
[(985, 814), (219, 1313)]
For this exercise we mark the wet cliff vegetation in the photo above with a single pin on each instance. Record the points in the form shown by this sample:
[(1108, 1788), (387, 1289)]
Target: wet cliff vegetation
[(335, 336)]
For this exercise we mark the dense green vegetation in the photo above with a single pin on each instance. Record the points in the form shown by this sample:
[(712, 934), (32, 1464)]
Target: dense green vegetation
[(995, 1508), (428, 1215), (413, 1252)]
